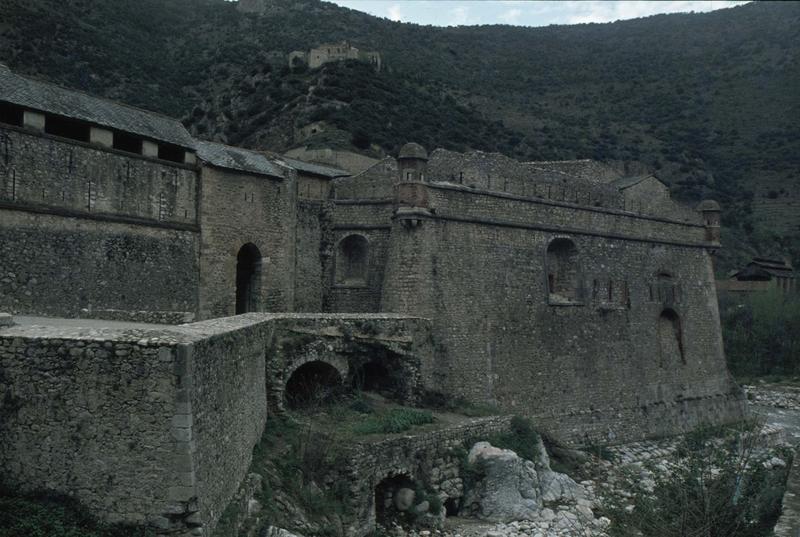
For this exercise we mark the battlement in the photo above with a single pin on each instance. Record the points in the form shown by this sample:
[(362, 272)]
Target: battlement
[(335, 52)]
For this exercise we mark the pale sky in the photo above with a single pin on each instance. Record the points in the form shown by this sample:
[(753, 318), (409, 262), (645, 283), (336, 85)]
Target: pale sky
[(522, 12)]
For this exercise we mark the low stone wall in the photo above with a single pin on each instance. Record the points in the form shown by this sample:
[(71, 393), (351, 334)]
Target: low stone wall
[(434, 458), (148, 427)]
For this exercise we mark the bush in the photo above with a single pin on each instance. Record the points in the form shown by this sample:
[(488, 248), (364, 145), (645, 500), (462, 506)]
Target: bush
[(762, 333), (521, 439)]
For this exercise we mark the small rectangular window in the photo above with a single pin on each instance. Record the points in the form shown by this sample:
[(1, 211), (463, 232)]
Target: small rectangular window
[(11, 114), (66, 128), (127, 142), (171, 152)]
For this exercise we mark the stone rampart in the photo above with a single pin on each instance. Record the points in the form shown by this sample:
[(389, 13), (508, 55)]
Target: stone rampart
[(635, 352)]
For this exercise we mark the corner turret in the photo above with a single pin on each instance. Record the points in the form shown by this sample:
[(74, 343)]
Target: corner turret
[(412, 162)]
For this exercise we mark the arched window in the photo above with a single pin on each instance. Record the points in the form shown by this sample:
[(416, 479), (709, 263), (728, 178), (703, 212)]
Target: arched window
[(352, 261), (248, 278), (562, 271), (670, 338)]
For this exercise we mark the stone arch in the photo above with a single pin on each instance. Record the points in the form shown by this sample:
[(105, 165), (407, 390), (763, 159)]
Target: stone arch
[(670, 338), (563, 270), (352, 260), (313, 382), (248, 279)]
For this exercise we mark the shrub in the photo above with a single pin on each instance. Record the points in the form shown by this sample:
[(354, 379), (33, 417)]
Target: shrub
[(397, 420), (717, 489), (521, 439)]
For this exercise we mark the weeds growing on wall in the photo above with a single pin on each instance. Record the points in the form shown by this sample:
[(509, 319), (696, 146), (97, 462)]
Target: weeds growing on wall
[(762, 333), (718, 488), (50, 515), (522, 439)]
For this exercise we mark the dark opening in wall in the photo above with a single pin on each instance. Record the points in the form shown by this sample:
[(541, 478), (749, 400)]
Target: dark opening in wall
[(394, 497), (562, 271), (248, 279), (670, 338), (127, 142), (67, 128), (352, 260), (452, 506), (313, 384), (11, 114), (170, 152)]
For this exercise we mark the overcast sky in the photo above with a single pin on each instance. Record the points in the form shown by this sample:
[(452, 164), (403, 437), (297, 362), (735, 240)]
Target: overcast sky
[(521, 13)]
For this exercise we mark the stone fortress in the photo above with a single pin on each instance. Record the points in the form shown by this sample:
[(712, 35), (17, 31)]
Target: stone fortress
[(334, 52), (563, 291)]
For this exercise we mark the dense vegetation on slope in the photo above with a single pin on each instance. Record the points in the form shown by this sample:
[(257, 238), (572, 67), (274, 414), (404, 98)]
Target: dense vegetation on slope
[(707, 101)]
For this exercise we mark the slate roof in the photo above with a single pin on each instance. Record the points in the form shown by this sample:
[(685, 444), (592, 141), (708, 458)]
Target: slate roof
[(626, 182), (314, 169), (46, 97), (236, 158)]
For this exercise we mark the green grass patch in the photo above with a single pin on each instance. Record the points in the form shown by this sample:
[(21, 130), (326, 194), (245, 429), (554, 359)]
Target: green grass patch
[(395, 420)]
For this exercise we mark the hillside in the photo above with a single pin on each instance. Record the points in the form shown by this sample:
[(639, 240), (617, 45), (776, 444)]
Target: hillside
[(709, 102)]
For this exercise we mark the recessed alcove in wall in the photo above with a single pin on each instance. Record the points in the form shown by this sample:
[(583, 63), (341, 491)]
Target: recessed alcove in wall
[(394, 496), (563, 272), (352, 261), (312, 384), (670, 338)]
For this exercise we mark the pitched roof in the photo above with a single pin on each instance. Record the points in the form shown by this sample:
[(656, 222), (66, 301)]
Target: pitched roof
[(236, 158), (46, 97), (314, 169), (762, 268)]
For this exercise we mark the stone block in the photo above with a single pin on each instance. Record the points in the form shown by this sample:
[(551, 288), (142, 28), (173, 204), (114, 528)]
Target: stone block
[(190, 157), (102, 137), (149, 149), (33, 120), (6, 319)]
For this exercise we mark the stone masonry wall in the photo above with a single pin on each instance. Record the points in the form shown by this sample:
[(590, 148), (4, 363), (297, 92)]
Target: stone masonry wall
[(311, 249), (587, 372), (58, 266), (50, 172), (237, 209), (89, 414), (143, 426)]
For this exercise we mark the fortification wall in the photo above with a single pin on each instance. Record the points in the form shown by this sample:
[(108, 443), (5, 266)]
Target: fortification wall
[(58, 266), (238, 209), (593, 371), (43, 171), (145, 427), (311, 248)]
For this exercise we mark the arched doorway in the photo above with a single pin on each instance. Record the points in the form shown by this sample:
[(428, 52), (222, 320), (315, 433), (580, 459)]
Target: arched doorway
[(312, 384), (248, 278)]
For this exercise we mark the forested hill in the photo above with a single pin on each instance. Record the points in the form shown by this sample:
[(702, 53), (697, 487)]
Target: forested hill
[(710, 102)]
